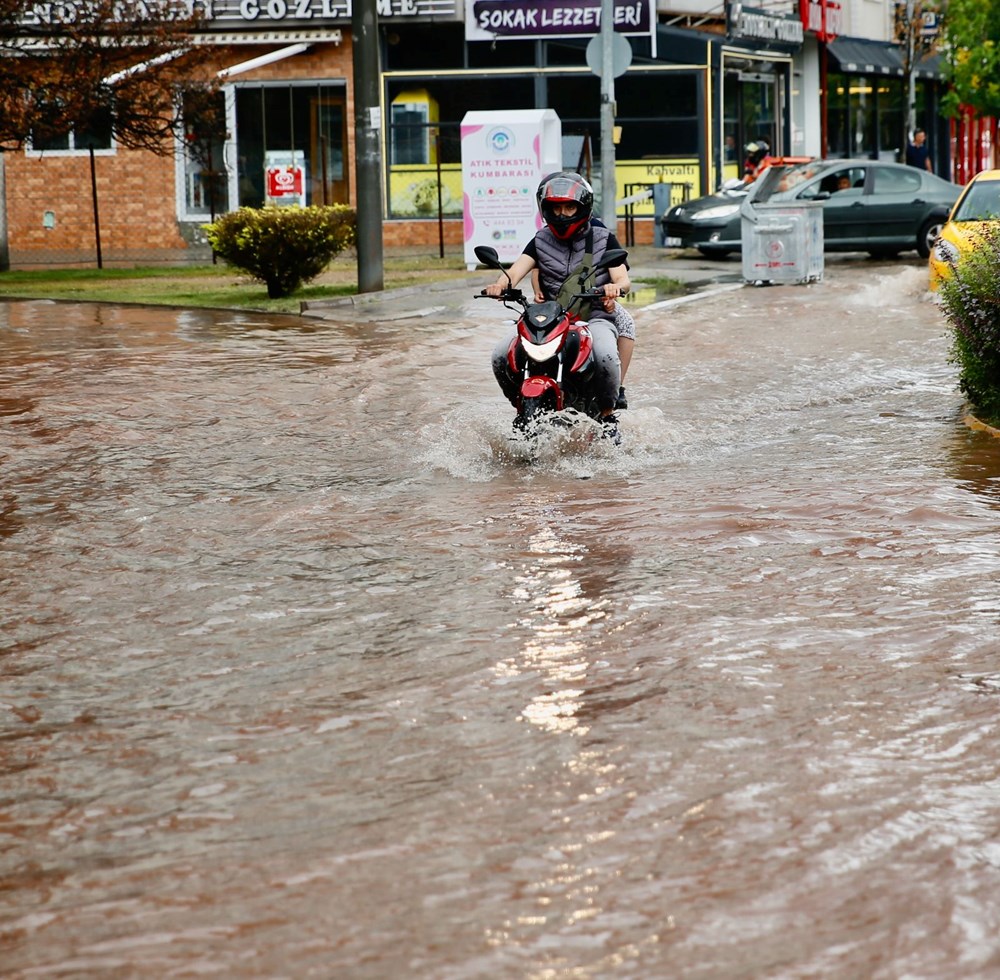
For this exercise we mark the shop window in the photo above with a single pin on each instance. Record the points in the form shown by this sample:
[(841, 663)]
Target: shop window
[(291, 129), (891, 119), (671, 130), (415, 46), (424, 139), (657, 113), (206, 177), (412, 117), (865, 116)]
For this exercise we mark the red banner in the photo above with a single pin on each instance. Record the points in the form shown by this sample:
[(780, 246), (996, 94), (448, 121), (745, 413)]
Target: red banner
[(821, 17)]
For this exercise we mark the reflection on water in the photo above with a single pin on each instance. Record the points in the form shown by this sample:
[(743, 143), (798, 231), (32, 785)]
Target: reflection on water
[(558, 618), (976, 462), (309, 671)]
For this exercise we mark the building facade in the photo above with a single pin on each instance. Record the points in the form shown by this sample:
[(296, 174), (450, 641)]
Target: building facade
[(699, 85)]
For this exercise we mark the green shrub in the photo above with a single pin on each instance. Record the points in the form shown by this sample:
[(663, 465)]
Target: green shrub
[(283, 247), (970, 298)]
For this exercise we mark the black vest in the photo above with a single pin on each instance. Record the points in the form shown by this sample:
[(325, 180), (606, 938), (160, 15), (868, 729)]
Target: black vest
[(559, 261)]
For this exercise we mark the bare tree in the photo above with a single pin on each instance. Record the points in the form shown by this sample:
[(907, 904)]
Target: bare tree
[(85, 65)]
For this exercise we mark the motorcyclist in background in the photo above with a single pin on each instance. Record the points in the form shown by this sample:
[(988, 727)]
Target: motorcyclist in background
[(758, 157)]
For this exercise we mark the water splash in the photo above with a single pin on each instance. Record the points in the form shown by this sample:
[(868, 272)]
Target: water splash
[(477, 443)]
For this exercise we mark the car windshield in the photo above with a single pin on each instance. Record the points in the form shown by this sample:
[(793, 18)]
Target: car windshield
[(795, 175), (777, 179), (982, 203)]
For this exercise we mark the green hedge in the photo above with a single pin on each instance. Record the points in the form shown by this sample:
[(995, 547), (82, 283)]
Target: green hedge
[(970, 298), (283, 247)]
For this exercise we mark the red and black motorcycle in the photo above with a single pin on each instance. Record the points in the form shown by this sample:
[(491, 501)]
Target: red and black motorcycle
[(552, 351)]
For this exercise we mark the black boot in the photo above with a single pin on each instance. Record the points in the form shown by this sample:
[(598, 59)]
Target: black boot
[(610, 430), (622, 400)]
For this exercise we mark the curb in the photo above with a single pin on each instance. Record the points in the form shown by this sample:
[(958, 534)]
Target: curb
[(360, 301), (970, 421), (665, 304), (380, 295)]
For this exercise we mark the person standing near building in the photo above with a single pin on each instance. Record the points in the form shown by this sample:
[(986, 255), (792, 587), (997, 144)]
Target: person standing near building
[(918, 152)]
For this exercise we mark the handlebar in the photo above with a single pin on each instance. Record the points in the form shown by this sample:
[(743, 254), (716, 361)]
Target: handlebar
[(517, 295), (514, 295)]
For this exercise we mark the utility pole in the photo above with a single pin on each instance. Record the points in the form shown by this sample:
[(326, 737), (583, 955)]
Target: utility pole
[(908, 21), (609, 188), (911, 57), (367, 147)]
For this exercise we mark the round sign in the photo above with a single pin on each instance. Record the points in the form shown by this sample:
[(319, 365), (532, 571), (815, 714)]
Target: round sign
[(621, 55)]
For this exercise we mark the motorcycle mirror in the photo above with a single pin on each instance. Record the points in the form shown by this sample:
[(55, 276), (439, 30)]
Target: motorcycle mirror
[(613, 256), (488, 256)]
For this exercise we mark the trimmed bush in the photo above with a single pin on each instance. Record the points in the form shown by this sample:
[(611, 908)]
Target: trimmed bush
[(283, 247), (970, 299)]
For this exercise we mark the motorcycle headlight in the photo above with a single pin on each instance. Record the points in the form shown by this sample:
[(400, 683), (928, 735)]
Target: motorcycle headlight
[(719, 211), (946, 252), (541, 352)]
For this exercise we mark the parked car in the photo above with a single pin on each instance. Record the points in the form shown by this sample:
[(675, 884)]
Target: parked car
[(977, 207), (868, 206)]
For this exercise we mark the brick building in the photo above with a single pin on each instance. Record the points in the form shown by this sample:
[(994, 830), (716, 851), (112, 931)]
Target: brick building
[(695, 90)]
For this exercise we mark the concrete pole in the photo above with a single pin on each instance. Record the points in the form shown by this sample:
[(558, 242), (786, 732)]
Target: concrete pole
[(367, 146), (911, 57), (4, 241), (609, 190)]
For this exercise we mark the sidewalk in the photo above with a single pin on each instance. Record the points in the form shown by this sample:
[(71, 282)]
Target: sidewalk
[(647, 264)]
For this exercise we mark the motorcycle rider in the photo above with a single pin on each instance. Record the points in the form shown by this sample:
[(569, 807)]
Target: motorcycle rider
[(559, 250), (623, 321), (758, 158)]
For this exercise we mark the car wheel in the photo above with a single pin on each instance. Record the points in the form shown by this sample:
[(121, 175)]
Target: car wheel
[(713, 253), (930, 230)]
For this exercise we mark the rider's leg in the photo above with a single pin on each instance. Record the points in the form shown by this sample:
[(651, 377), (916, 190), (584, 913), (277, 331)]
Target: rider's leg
[(625, 348), (625, 326), (607, 366)]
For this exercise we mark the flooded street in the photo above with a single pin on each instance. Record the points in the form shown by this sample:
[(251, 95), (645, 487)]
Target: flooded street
[(309, 672)]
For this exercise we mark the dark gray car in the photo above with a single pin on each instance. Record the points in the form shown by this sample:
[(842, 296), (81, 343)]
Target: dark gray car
[(868, 206)]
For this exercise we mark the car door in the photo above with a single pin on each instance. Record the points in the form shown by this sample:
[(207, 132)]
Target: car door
[(895, 207), (842, 192)]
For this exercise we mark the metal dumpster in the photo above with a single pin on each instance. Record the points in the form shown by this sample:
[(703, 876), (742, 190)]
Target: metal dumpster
[(781, 242)]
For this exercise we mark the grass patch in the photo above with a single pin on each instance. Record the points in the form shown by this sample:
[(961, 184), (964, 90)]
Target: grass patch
[(664, 285), (222, 287), (213, 286)]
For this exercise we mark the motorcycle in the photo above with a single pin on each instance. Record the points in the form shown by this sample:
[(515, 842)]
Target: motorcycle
[(552, 351)]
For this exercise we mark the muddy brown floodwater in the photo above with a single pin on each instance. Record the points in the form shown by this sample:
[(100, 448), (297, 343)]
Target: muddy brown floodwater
[(308, 673)]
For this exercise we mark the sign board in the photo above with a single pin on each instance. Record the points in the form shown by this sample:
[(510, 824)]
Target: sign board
[(621, 55), (284, 179), (316, 18), (821, 17), (761, 25), (505, 155), (494, 20)]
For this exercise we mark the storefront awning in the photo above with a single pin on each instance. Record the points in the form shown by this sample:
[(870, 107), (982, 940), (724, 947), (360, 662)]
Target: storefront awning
[(858, 56), (265, 59)]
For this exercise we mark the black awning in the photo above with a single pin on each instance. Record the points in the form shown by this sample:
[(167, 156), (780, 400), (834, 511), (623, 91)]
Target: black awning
[(858, 56), (930, 67)]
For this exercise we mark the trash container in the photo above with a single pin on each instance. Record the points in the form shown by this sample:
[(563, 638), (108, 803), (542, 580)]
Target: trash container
[(782, 243)]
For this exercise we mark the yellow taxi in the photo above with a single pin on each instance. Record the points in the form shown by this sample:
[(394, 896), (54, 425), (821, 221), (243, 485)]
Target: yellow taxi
[(977, 207)]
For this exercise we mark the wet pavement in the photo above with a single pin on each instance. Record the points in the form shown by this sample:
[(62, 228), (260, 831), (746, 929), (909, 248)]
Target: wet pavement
[(311, 670)]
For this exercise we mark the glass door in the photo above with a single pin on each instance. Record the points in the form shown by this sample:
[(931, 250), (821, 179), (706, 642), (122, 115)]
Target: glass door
[(327, 151)]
